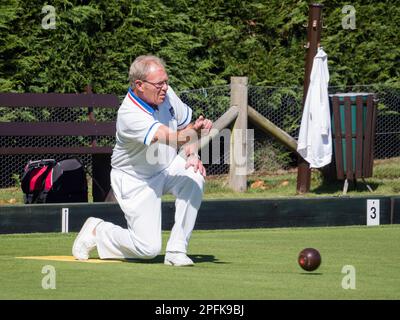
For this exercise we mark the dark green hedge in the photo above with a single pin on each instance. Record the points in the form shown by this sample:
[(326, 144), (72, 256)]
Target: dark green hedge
[(203, 42)]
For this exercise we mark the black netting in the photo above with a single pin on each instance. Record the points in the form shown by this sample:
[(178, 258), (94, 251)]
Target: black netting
[(281, 105), (12, 166)]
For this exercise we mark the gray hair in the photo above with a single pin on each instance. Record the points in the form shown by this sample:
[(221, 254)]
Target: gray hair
[(140, 67)]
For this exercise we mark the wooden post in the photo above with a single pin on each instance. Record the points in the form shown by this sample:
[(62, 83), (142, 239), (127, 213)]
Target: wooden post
[(238, 145), (221, 123), (101, 164), (313, 40), (91, 117), (268, 127)]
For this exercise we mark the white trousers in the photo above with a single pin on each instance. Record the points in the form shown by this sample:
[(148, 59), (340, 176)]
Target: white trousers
[(140, 200)]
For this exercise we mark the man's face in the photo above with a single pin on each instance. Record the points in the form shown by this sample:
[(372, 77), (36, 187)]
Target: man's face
[(153, 89)]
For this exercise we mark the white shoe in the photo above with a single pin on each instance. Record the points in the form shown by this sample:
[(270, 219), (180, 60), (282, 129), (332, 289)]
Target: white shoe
[(85, 241), (177, 259)]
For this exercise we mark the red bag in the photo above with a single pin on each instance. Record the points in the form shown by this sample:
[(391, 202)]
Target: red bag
[(49, 181)]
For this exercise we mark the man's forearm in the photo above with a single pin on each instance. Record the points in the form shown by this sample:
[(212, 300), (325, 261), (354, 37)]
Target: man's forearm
[(176, 138), (188, 136), (191, 149)]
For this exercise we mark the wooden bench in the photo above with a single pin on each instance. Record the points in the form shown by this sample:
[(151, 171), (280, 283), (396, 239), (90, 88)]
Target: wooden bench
[(89, 129), (353, 129)]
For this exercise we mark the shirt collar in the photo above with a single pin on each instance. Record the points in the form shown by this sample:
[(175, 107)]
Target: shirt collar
[(143, 105)]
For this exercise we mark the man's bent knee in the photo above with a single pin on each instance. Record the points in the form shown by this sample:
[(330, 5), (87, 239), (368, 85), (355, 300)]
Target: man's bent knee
[(197, 179), (150, 252)]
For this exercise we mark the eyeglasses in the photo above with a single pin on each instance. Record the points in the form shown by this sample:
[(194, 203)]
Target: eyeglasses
[(158, 85)]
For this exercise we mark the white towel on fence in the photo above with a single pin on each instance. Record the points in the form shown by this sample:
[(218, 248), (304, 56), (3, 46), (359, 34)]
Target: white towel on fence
[(315, 140)]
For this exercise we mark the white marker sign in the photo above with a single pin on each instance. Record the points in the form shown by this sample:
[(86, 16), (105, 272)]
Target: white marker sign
[(373, 217), (64, 220)]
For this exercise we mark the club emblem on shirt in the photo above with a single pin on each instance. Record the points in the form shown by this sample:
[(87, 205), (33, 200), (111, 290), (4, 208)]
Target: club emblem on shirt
[(172, 112)]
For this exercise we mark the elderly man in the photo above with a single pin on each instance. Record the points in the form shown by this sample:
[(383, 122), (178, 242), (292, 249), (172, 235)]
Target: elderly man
[(152, 123)]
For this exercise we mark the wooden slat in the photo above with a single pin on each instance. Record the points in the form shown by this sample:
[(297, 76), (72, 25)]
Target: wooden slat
[(57, 128), (371, 102), (56, 150), (349, 145), (353, 135), (359, 136), (368, 138), (338, 140), (58, 100)]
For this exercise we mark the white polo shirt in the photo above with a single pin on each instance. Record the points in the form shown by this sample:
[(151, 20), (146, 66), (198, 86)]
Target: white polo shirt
[(137, 122)]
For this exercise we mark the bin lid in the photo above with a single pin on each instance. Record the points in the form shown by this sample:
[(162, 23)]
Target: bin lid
[(351, 94)]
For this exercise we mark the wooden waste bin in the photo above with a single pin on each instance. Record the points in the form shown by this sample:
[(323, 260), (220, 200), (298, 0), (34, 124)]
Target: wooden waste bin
[(353, 130)]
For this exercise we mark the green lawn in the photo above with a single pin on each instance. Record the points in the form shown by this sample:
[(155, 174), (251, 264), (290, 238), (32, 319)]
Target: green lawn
[(230, 264)]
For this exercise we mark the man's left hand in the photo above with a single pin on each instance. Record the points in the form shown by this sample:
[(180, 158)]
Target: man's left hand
[(194, 161)]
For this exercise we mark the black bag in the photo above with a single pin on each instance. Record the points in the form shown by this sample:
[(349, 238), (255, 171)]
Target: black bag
[(49, 181)]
